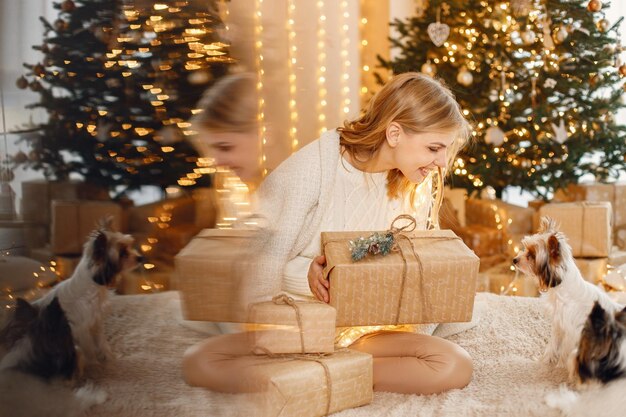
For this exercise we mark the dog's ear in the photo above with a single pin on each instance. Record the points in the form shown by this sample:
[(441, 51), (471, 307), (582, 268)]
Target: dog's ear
[(554, 248), (598, 319), (100, 247), (547, 224), (620, 317)]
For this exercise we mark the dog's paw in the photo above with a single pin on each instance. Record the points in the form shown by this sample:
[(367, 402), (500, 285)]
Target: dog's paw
[(564, 399), (88, 395)]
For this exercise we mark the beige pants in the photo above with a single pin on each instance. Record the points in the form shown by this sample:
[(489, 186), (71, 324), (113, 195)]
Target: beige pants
[(403, 362)]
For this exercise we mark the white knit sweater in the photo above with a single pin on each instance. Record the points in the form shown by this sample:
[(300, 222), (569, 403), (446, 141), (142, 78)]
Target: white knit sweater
[(316, 190)]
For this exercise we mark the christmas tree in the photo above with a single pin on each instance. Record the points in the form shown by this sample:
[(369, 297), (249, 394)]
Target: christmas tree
[(119, 81), (540, 79)]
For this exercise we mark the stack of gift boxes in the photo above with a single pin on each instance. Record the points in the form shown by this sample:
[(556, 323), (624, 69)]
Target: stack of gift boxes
[(64, 213), (592, 216), (300, 366)]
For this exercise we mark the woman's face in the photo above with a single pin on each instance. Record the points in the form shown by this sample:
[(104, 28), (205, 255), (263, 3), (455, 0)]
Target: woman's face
[(417, 154), (239, 152)]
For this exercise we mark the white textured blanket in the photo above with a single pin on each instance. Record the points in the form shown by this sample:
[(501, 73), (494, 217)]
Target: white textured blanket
[(145, 380)]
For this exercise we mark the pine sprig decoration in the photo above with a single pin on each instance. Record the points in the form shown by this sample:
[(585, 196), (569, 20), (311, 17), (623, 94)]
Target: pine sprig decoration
[(375, 244)]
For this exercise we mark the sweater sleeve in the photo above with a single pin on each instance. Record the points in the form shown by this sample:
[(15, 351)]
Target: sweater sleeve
[(287, 200)]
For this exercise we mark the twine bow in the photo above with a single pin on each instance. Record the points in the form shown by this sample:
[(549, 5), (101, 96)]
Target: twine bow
[(286, 300)]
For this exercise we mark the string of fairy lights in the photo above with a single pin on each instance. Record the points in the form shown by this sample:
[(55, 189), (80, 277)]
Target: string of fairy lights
[(258, 36), (291, 67), (321, 66)]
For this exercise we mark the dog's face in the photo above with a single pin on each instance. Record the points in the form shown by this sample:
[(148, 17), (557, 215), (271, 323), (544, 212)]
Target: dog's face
[(543, 255), (111, 253), (602, 349)]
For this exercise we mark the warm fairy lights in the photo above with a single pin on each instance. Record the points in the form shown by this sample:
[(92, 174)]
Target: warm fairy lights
[(291, 66), (344, 17), (363, 31), (321, 67), (258, 32)]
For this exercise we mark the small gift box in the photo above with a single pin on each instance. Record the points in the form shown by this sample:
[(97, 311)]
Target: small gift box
[(73, 221), (587, 226), (484, 241), (430, 277), (311, 385), (294, 326), (592, 269)]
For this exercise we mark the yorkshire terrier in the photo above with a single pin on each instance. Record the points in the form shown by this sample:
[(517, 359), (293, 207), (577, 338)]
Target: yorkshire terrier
[(40, 362), (600, 368), (548, 257), (83, 295)]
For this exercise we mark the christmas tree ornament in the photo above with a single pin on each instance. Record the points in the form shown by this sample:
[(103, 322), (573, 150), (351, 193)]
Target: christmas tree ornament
[(60, 25), (560, 132), (603, 25), (35, 85), (494, 136), (561, 34), (445, 8), (493, 96), (199, 77), (594, 5), (622, 71), (38, 70), (488, 193), (22, 83), (528, 36), (429, 69), (521, 7), (548, 43), (20, 157), (438, 32), (68, 6), (464, 77), (34, 156)]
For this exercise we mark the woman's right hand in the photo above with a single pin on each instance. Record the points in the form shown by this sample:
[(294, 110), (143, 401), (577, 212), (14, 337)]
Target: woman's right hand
[(318, 285)]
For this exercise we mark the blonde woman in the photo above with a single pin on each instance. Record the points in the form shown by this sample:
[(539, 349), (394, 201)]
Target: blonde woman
[(357, 177)]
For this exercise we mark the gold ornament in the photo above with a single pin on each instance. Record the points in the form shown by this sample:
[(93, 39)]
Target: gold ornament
[(594, 5), (20, 157), (429, 69), (528, 37), (561, 34), (68, 6), (464, 77), (60, 25), (603, 25), (622, 71), (521, 7), (21, 83)]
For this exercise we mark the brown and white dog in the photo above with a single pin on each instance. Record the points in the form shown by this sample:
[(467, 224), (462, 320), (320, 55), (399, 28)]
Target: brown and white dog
[(548, 257)]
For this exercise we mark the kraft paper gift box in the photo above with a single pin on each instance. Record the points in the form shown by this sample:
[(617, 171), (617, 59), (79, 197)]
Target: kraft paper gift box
[(170, 212), (431, 278), (311, 385), (206, 207), (614, 193), (501, 279), (587, 226), (172, 239), (210, 271), (592, 269), (293, 326), (37, 196), (484, 241), (457, 198), (73, 221), (509, 218)]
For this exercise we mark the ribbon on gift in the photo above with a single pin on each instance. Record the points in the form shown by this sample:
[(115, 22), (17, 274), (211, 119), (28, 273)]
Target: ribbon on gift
[(400, 233), (286, 300), (314, 357)]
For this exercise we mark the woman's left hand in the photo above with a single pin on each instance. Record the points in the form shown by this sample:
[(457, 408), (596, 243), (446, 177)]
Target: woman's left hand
[(318, 285)]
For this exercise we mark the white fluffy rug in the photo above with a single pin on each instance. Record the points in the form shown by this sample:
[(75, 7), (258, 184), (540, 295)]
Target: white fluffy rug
[(146, 381)]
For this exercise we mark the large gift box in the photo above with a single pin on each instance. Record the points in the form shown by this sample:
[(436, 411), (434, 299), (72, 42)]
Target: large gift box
[(613, 193), (293, 326), (73, 221), (312, 385), (587, 226), (209, 272), (430, 278), (509, 218), (37, 196), (206, 207)]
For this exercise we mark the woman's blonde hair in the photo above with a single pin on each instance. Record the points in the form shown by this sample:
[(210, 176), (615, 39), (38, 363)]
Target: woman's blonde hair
[(229, 105), (419, 104)]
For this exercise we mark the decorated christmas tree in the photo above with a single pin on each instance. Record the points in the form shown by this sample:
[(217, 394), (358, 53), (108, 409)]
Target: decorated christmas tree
[(119, 81), (541, 79)]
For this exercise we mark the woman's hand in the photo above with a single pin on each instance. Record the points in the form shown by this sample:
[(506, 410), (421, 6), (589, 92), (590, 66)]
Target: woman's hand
[(318, 285)]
